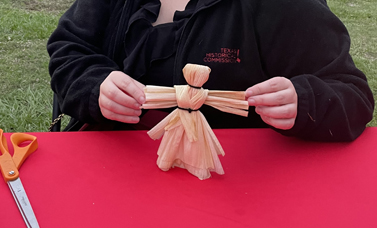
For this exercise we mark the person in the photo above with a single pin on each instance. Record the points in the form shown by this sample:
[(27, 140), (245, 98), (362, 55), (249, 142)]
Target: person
[(291, 57)]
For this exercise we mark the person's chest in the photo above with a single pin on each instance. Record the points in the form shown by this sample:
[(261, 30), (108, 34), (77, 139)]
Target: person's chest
[(221, 35)]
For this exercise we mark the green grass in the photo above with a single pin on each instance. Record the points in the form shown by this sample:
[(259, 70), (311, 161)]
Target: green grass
[(360, 18), (25, 25), (25, 94)]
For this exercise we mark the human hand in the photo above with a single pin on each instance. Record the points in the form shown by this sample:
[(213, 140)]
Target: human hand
[(121, 97), (275, 100)]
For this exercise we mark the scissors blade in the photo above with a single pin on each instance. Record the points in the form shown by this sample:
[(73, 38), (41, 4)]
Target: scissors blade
[(23, 203)]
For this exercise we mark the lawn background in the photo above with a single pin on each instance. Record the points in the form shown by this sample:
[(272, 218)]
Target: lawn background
[(25, 25)]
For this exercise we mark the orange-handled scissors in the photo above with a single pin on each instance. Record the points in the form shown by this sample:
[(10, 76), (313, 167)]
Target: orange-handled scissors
[(9, 166)]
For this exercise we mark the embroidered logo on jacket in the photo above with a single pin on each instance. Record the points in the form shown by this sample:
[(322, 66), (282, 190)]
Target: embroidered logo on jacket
[(226, 55)]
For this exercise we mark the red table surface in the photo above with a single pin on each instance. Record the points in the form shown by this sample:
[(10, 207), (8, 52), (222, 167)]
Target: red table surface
[(110, 179)]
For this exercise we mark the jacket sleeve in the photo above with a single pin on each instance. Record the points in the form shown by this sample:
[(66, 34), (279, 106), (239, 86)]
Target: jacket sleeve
[(304, 41), (78, 64)]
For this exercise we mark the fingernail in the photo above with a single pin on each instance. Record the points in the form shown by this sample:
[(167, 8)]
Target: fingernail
[(135, 119), (249, 93), (141, 100), (251, 101)]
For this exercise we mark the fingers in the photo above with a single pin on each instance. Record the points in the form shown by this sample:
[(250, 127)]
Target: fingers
[(122, 94), (275, 91), (281, 117), (114, 111), (141, 86), (282, 97), (278, 112), (275, 100), (272, 85), (121, 98), (130, 87)]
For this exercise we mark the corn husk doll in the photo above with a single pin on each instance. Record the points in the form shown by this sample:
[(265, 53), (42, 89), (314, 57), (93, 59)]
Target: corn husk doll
[(188, 141)]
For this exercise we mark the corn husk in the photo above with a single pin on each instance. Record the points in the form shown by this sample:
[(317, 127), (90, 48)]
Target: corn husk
[(187, 139)]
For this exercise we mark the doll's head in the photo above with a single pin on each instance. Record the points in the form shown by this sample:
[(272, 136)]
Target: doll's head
[(196, 75)]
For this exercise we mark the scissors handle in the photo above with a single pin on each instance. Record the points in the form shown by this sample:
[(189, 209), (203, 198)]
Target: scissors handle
[(10, 165), (22, 152)]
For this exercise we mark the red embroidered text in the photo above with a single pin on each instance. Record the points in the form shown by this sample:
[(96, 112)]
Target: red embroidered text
[(227, 55)]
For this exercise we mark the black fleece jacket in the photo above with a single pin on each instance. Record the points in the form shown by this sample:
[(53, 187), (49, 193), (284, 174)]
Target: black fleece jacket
[(244, 42)]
